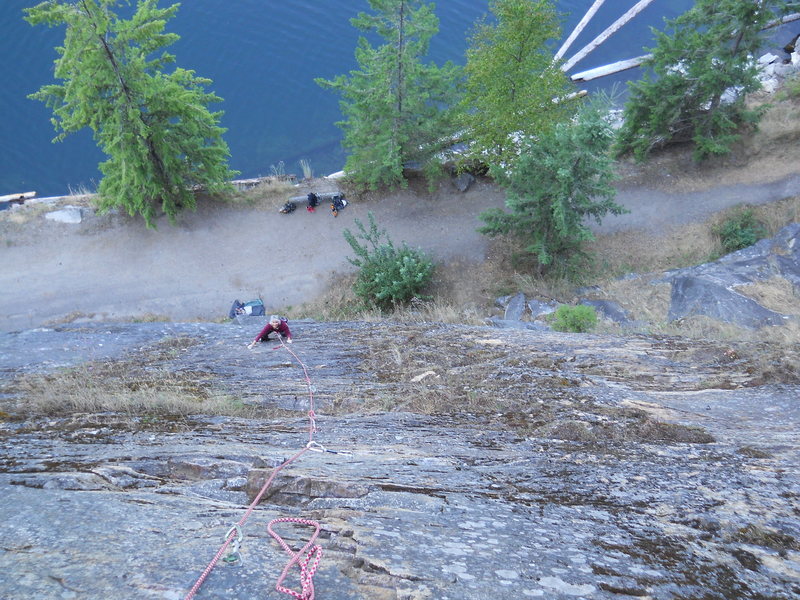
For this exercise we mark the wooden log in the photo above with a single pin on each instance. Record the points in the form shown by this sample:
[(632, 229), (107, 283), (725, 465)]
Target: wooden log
[(578, 28), (782, 21), (632, 63), (323, 197), (611, 30), (617, 67), (572, 96), (17, 197)]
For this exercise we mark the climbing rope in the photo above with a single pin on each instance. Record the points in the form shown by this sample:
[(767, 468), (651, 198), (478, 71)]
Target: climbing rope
[(302, 557), (234, 536), (312, 422)]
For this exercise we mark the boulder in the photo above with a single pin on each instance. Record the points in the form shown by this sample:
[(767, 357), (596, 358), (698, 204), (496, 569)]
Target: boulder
[(609, 310), (515, 309), (463, 182), (782, 69), (696, 296), (539, 308), (767, 59), (770, 84), (502, 301), (710, 289)]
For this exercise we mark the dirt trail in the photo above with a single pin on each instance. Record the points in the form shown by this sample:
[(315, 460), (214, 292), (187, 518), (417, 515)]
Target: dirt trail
[(115, 268), (657, 209)]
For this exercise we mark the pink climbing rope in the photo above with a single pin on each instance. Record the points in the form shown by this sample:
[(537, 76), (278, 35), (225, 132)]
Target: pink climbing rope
[(312, 417), (306, 572), (301, 558)]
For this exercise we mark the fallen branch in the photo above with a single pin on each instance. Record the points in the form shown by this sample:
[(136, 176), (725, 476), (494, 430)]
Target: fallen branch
[(17, 197), (622, 65)]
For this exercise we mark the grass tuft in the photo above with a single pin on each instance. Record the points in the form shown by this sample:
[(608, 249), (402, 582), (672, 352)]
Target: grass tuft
[(271, 194), (139, 387)]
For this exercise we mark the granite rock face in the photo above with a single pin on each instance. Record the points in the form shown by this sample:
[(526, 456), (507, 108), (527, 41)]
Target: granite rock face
[(698, 296), (716, 289), (559, 466)]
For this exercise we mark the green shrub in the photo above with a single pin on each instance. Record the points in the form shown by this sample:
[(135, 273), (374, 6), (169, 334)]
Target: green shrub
[(790, 89), (388, 276), (575, 319), (740, 230)]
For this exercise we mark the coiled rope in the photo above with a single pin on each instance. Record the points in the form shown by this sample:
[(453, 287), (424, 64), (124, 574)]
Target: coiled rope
[(304, 556)]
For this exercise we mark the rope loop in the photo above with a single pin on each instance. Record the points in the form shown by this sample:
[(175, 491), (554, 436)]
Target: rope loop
[(301, 558), (312, 422)]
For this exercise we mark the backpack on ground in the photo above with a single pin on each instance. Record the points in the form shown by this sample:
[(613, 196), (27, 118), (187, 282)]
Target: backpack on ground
[(254, 308), (288, 208), (337, 203), (313, 202)]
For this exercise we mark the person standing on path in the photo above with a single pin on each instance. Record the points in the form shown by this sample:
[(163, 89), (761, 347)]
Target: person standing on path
[(277, 325)]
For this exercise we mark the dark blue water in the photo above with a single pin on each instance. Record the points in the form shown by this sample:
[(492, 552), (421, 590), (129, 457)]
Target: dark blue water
[(262, 56)]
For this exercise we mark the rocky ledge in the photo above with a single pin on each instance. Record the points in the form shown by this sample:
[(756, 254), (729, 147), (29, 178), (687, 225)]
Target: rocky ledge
[(466, 463), (725, 290)]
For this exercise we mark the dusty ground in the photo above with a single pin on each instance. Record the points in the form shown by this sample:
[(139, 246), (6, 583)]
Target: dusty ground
[(113, 267)]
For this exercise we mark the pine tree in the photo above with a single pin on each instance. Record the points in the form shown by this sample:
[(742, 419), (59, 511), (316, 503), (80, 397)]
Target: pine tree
[(696, 81), (559, 180), (514, 89), (397, 110), (161, 139)]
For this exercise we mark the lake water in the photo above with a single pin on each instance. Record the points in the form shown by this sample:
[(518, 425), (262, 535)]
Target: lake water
[(262, 56)]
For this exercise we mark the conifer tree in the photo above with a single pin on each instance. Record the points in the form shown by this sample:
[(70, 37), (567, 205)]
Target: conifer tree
[(514, 89), (558, 182), (696, 81), (397, 110), (161, 139)]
